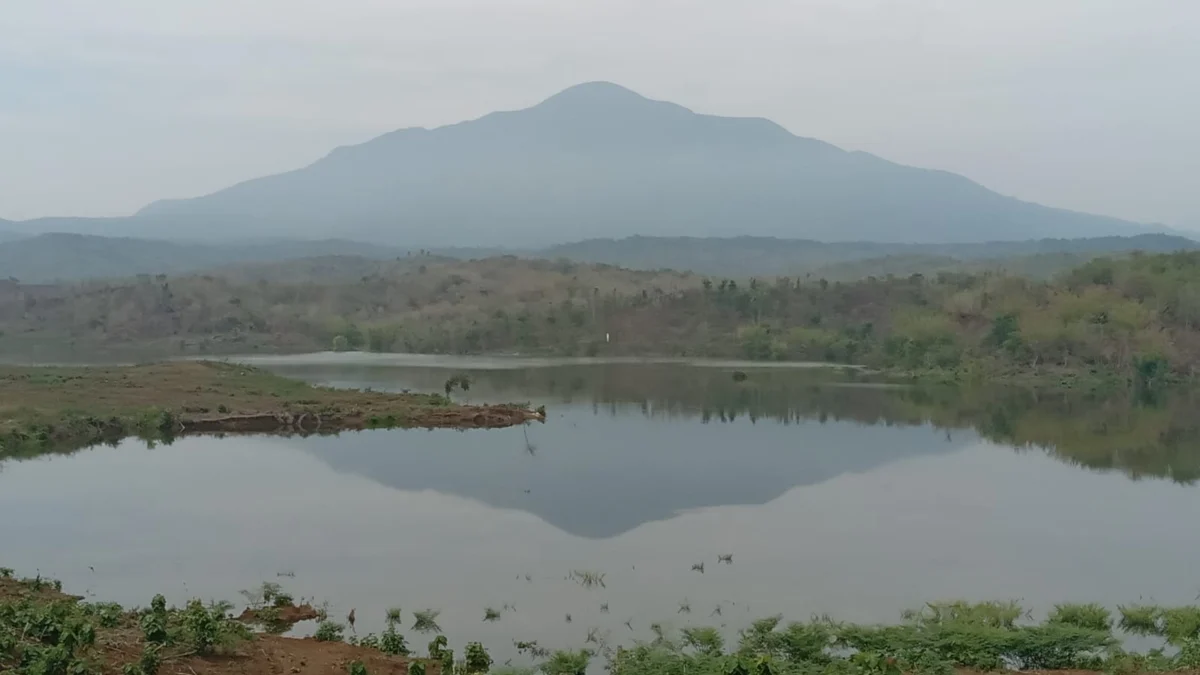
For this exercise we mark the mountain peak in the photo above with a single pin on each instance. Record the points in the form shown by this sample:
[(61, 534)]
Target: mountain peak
[(592, 97), (595, 92)]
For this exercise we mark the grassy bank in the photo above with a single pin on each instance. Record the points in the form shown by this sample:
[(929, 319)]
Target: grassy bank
[(51, 408), (44, 632)]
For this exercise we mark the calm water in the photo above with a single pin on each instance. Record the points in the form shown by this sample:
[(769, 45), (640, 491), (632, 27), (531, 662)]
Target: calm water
[(854, 500)]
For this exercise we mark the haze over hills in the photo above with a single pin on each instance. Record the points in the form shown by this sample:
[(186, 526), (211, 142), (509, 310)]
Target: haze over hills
[(764, 256), (72, 257), (598, 160)]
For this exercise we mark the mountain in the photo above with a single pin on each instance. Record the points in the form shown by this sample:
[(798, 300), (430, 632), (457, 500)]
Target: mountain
[(69, 257), (598, 160)]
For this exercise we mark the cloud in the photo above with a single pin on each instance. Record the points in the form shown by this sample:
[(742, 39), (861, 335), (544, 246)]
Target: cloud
[(1087, 104)]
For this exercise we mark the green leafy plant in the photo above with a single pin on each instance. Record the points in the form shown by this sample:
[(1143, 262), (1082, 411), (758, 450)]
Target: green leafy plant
[(565, 662), (392, 642), (425, 621), (476, 660), (209, 628), (147, 664), (1090, 616), (329, 631)]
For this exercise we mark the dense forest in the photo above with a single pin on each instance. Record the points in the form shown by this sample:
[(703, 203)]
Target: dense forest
[(1130, 318)]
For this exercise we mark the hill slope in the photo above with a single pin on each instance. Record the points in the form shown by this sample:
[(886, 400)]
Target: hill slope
[(768, 256), (69, 257), (598, 160)]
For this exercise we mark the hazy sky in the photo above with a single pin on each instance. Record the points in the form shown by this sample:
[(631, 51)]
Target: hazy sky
[(1086, 104)]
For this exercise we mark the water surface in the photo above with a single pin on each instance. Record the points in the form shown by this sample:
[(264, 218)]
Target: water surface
[(857, 501)]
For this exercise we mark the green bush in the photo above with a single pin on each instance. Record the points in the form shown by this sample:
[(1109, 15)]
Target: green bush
[(1091, 616), (329, 631)]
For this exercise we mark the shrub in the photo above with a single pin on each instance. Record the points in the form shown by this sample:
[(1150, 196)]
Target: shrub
[(1091, 616), (476, 659), (329, 631)]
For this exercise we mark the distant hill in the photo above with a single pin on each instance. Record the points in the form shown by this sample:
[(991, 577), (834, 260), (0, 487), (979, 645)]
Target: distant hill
[(598, 160), (8, 232), (68, 257), (71, 257), (767, 256)]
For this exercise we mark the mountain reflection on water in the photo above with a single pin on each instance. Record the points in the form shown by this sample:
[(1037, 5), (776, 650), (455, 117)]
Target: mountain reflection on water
[(682, 443)]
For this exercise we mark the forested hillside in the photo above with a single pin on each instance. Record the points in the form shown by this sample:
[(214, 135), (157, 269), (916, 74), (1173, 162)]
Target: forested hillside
[(1133, 318), (305, 304)]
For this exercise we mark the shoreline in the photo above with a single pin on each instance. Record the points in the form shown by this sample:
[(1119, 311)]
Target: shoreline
[(45, 630)]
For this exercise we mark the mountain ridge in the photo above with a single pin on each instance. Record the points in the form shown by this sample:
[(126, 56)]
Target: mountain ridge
[(73, 257), (600, 160)]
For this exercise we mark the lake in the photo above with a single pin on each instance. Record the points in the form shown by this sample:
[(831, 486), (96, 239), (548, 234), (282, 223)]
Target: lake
[(832, 494)]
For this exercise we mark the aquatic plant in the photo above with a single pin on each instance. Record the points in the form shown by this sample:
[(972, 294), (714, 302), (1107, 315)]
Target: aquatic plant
[(392, 616), (461, 381), (726, 558), (698, 567), (490, 614), (1139, 619), (1091, 616), (425, 621), (588, 579)]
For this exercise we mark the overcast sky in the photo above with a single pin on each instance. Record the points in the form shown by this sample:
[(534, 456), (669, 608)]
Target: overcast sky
[(1085, 104)]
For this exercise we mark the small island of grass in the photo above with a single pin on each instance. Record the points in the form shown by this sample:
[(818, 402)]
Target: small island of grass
[(47, 408)]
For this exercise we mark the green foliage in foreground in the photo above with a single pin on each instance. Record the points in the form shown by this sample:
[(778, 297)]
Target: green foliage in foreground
[(58, 636), (936, 640), (44, 634)]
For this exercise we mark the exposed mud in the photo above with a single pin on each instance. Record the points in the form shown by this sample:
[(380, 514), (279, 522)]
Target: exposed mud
[(456, 417)]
